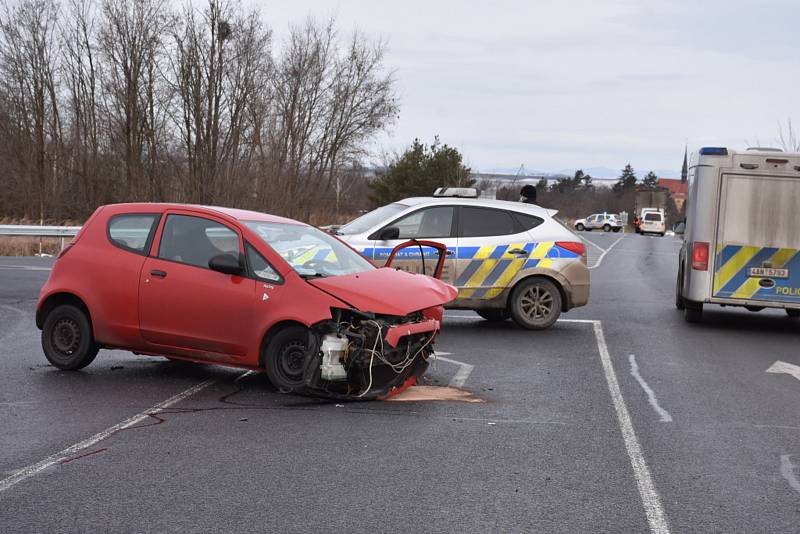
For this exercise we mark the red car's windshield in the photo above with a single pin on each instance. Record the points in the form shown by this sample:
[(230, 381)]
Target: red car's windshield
[(309, 251)]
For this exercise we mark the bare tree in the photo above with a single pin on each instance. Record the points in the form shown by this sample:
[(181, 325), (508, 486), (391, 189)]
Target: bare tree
[(220, 66), (787, 137), (27, 68), (329, 99), (130, 38)]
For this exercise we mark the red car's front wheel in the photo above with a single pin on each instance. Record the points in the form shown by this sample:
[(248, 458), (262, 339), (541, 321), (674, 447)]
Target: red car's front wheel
[(284, 359)]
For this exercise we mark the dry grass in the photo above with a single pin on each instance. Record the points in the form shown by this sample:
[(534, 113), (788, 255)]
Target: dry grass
[(28, 246)]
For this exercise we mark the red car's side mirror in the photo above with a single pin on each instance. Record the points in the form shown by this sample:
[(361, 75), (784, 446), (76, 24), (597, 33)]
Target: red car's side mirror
[(422, 245)]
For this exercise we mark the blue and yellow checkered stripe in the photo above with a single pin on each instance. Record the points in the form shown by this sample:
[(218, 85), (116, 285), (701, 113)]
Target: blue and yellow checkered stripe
[(733, 262), (314, 253), (487, 270)]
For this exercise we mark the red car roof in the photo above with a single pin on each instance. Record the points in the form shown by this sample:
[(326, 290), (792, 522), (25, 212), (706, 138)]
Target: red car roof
[(241, 215)]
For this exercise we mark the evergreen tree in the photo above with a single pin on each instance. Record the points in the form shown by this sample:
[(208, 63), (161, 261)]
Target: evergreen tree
[(419, 171), (651, 181), (626, 181)]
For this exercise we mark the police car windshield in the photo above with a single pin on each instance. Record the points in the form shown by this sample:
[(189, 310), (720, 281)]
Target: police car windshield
[(370, 220), (310, 251)]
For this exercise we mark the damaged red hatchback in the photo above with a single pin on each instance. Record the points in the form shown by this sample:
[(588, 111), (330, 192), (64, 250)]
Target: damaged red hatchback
[(239, 288)]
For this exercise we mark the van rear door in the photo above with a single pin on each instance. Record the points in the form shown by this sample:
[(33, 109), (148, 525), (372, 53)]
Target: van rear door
[(757, 254)]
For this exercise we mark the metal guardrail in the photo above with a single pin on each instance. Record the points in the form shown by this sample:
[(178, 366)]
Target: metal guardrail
[(33, 230), (38, 231)]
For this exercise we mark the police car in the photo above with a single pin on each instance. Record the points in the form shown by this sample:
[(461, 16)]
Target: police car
[(606, 222), (741, 245), (507, 259)]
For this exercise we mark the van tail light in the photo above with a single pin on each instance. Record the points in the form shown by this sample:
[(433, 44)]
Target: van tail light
[(700, 256), (573, 246)]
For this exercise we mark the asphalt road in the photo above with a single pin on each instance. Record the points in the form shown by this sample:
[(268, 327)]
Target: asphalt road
[(690, 435)]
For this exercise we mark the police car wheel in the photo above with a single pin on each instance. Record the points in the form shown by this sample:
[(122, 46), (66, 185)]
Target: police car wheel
[(494, 314), (579, 227), (535, 304), (793, 313), (607, 228)]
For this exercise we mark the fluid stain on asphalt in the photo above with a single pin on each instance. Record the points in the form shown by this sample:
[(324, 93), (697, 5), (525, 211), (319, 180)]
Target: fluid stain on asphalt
[(435, 393)]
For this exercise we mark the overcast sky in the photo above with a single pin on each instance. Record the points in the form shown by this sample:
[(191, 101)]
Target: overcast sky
[(565, 84)]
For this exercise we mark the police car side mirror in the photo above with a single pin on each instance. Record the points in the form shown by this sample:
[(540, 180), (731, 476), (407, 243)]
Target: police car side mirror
[(388, 233)]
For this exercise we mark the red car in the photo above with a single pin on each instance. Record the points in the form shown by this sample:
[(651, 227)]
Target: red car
[(239, 288)]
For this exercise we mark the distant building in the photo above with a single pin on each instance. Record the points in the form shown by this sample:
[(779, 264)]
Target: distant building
[(678, 189)]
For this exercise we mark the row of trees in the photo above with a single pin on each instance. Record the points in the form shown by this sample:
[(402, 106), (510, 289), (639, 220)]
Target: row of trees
[(123, 100), (576, 196)]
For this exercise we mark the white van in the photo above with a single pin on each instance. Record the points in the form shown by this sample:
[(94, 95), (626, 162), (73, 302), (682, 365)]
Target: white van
[(653, 222), (741, 246)]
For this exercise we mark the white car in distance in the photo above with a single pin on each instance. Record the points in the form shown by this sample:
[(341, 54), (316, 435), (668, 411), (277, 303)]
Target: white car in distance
[(607, 222)]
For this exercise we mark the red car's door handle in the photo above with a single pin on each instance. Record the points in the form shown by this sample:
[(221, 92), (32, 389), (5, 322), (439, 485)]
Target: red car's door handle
[(159, 274)]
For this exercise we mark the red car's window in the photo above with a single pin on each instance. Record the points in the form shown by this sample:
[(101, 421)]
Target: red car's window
[(132, 231), (260, 267), (195, 240)]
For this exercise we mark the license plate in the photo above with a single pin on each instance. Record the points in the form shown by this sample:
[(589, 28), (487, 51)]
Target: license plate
[(767, 272)]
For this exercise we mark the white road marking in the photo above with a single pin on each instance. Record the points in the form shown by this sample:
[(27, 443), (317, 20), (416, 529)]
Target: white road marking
[(787, 470), (651, 396), (606, 251), (780, 367), (32, 470), (590, 242), (25, 268), (647, 490), (461, 375)]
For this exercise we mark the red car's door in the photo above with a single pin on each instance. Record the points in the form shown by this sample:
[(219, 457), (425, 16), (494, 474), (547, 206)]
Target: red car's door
[(183, 303)]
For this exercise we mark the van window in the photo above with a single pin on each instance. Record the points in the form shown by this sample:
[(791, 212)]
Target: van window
[(132, 231), (652, 216)]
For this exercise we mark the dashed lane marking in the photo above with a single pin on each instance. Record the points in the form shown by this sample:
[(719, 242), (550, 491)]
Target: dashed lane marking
[(24, 268), (787, 470), (606, 251), (644, 480), (32, 470), (461, 376), (651, 396)]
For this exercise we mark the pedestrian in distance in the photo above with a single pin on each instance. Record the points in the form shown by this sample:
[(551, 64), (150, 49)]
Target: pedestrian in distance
[(528, 194)]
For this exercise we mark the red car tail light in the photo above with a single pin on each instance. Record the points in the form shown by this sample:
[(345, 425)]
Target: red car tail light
[(700, 256), (573, 246)]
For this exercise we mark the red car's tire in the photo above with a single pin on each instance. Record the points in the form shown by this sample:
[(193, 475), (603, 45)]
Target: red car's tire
[(284, 358), (67, 338)]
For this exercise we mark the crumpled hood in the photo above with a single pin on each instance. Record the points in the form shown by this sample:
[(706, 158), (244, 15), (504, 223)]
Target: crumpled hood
[(387, 291)]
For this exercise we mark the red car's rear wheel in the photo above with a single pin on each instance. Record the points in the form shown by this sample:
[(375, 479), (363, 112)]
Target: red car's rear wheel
[(67, 338)]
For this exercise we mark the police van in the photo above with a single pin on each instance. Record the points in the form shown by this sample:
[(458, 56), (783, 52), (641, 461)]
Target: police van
[(741, 245)]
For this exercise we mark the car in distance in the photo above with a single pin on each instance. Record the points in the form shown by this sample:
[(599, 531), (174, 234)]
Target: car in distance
[(239, 288), (607, 222), (653, 222), (507, 259)]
